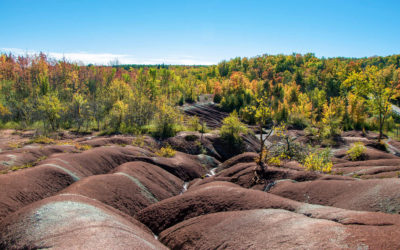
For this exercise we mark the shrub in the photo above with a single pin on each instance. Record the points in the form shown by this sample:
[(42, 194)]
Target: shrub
[(77, 145), (217, 98), (138, 141), (28, 165), (82, 147), (201, 148), (41, 140), (190, 98), (191, 138), (181, 101), (356, 151), (15, 145), (166, 151), (382, 146), (9, 125), (15, 168), (203, 127), (231, 129), (194, 123), (288, 149), (311, 131), (275, 160), (319, 161), (166, 122), (298, 121)]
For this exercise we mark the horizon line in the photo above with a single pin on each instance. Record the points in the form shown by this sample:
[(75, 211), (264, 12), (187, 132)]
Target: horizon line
[(111, 59)]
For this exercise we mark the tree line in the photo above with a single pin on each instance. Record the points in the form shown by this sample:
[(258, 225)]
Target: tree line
[(322, 95)]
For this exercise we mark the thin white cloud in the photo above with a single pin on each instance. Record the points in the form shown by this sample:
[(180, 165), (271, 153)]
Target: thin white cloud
[(107, 58)]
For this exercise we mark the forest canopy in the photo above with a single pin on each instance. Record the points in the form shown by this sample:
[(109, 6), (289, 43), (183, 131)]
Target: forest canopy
[(324, 95)]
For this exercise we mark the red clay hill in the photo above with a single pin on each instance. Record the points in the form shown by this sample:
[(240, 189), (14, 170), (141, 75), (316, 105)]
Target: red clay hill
[(119, 192)]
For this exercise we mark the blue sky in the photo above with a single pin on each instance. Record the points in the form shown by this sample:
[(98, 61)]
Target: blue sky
[(198, 32)]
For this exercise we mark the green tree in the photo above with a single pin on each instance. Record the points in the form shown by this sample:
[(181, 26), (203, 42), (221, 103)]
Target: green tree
[(332, 117), (118, 113), (50, 107), (231, 129), (166, 121), (379, 87), (79, 109), (261, 114)]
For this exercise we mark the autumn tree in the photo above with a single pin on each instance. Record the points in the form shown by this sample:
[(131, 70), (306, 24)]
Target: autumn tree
[(330, 125), (261, 113), (51, 108), (4, 110), (383, 88), (117, 114), (299, 89), (378, 87), (166, 120), (79, 109)]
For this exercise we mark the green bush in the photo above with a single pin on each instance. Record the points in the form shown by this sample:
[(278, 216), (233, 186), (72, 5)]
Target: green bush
[(217, 98), (356, 151), (51, 108), (139, 141), (231, 129), (319, 160), (298, 121), (166, 122), (41, 140), (201, 148), (194, 123), (9, 125), (166, 151), (191, 138)]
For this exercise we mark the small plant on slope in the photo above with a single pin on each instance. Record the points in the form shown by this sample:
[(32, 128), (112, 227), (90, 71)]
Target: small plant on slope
[(166, 151), (231, 129), (356, 151), (41, 140), (319, 161)]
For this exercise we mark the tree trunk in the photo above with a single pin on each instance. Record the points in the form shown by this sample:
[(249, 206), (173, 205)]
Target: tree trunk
[(381, 121), (261, 142), (261, 156)]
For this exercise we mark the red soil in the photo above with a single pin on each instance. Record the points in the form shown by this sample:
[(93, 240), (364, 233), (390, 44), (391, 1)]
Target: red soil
[(368, 195), (74, 222)]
